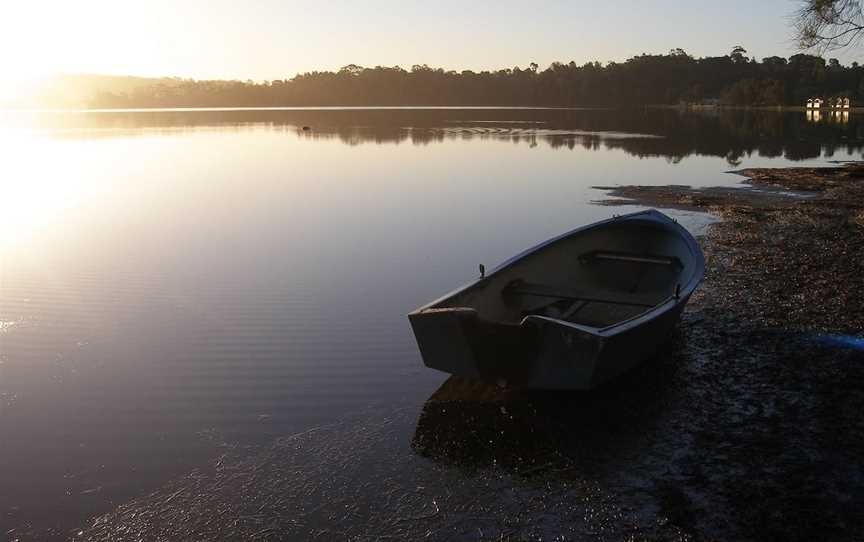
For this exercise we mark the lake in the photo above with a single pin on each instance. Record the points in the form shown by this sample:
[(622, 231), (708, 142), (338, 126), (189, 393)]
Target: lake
[(175, 282)]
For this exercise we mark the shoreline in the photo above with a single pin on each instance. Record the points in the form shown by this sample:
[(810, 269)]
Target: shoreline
[(677, 107), (297, 108), (777, 108)]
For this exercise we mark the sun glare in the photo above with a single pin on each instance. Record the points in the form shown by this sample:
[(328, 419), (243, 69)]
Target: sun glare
[(17, 86), (36, 186), (94, 37)]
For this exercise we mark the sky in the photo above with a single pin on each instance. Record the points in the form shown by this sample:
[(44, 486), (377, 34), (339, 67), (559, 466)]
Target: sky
[(276, 39)]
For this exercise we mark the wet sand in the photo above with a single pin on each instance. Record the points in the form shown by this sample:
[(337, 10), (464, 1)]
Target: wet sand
[(747, 426)]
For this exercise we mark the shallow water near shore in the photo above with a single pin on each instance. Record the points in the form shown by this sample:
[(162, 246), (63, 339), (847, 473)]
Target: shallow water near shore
[(178, 284)]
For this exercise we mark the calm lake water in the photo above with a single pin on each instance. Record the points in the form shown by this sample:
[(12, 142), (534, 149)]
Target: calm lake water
[(174, 281)]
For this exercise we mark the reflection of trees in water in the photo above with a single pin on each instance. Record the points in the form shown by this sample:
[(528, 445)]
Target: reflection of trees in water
[(732, 135)]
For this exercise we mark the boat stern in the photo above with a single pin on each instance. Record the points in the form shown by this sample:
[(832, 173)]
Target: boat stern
[(457, 341), (442, 339), (538, 353)]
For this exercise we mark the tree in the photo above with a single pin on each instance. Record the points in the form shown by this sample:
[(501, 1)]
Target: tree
[(738, 54), (351, 69), (829, 24), (774, 62)]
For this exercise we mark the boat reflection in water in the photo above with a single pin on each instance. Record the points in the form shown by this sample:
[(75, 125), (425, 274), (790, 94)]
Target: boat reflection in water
[(475, 425)]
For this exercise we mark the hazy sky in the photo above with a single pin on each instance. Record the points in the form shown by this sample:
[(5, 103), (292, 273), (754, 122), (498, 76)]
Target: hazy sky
[(267, 39)]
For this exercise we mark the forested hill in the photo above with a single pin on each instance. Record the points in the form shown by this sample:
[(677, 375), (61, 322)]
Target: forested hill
[(672, 78)]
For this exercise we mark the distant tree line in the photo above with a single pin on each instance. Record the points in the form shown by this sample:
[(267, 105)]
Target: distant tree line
[(669, 79)]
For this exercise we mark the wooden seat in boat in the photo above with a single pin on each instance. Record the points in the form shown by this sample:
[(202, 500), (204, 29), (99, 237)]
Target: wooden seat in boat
[(631, 257), (521, 288)]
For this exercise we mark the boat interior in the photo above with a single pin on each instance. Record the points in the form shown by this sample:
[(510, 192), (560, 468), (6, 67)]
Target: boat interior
[(596, 278)]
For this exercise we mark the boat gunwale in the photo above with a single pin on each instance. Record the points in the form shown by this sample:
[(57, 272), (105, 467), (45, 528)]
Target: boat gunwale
[(618, 327)]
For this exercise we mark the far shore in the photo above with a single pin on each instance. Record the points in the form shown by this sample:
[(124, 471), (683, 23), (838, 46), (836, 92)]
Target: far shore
[(682, 107)]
